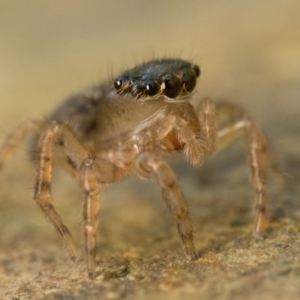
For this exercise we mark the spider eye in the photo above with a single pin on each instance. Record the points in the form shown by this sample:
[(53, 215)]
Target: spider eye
[(189, 79), (151, 88), (196, 70), (172, 86), (120, 83)]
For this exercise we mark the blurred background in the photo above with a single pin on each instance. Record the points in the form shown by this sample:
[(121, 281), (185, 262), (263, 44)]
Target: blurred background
[(248, 52)]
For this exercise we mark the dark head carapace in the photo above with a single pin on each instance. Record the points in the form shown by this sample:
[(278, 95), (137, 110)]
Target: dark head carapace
[(169, 77)]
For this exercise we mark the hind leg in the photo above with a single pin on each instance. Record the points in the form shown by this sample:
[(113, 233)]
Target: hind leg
[(16, 137), (238, 124), (92, 173)]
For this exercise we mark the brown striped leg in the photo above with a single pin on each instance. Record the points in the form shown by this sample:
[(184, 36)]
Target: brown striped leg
[(92, 174), (258, 163), (165, 177), (42, 194), (16, 137), (91, 206), (230, 114)]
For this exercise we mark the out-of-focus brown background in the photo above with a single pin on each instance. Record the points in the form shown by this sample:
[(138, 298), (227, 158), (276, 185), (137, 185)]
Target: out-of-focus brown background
[(249, 53)]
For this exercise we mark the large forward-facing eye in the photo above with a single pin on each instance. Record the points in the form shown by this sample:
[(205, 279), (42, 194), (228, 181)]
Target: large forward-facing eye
[(151, 87), (120, 83), (172, 86)]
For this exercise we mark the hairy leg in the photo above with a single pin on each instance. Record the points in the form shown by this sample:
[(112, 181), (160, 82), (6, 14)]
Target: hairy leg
[(42, 194), (91, 206), (93, 174), (154, 165), (260, 156), (186, 135), (16, 137)]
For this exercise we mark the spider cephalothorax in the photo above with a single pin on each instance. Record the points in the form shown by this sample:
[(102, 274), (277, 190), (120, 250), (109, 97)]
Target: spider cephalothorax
[(169, 77)]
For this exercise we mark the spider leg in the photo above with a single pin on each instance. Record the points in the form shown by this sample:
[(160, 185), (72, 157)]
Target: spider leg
[(93, 174), (91, 206), (192, 149), (16, 137), (258, 154), (42, 193), (199, 138), (154, 164)]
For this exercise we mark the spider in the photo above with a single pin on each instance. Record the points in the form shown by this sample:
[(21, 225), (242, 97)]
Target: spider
[(126, 125)]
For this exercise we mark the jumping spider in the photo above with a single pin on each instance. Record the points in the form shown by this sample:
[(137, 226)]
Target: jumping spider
[(102, 134)]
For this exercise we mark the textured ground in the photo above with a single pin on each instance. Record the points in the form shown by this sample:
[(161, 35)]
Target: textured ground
[(249, 53)]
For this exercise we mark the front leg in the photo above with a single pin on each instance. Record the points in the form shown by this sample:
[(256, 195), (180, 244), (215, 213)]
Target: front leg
[(153, 164), (42, 193), (188, 137), (93, 174)]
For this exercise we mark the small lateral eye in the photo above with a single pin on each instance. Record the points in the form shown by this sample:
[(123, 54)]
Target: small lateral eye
[(173, 86), (189, 79), (120, 82), (196, 70), (151, 88)]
